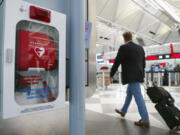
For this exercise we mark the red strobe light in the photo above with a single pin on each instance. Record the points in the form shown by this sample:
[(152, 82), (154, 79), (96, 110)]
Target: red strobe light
[(40, 14)]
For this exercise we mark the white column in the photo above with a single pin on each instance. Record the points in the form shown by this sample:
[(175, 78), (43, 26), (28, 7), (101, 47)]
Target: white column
[(77, 67)]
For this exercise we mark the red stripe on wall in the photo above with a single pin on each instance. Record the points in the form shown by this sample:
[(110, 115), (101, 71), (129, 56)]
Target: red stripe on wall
[(152, 58)]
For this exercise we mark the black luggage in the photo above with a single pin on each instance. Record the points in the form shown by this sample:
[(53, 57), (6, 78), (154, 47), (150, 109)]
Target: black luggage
[(164, 105), (159, 94), (170, 114)]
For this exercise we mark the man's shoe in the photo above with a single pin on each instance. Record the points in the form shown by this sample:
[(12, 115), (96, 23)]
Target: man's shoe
[(117, 111), (142, 124)]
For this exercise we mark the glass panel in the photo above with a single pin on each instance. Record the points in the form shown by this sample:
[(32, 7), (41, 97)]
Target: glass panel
[(36, 66)]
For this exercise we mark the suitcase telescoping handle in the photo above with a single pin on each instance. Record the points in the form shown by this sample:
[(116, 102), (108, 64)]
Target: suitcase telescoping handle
[(152, 77), (146, 85), (151, 73)]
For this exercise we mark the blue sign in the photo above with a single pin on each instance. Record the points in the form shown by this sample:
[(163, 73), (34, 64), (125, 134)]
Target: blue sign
[(88, 28)]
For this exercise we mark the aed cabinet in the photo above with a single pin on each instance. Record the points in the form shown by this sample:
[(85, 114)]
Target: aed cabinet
[(32, 59)]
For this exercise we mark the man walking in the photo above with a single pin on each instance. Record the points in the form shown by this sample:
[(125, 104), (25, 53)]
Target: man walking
[(132, 58)]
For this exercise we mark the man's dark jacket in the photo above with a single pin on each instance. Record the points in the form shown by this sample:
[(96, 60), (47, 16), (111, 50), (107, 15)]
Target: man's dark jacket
[(132, 58)]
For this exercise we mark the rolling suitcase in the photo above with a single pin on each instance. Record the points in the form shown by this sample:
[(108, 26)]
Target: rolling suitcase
[(164, 105), (170, 114), (159, 94)]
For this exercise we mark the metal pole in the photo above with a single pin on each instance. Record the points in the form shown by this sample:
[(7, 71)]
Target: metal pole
[(147, 81), (169, 81), (103, 81), (150, 74), (97, 80), (178, 78), (159, 79), (175, 78), (77, 67)]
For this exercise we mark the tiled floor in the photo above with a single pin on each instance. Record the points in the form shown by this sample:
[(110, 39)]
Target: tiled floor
[(100, 118), (113, 97)]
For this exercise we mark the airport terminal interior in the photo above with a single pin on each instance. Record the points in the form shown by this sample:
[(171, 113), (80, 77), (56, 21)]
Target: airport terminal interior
[(154, 24)]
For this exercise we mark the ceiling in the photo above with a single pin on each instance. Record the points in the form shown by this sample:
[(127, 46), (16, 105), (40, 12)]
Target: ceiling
[(152, 22), (175, 3)]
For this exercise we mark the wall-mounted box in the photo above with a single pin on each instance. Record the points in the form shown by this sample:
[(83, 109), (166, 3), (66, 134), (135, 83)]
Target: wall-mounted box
[(32, 59)]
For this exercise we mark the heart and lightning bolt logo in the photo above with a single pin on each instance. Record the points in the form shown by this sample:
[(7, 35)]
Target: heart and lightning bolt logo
[(39, 51)]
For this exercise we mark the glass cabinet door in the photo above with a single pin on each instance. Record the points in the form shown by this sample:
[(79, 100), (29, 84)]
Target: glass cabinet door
[(36, 63)]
